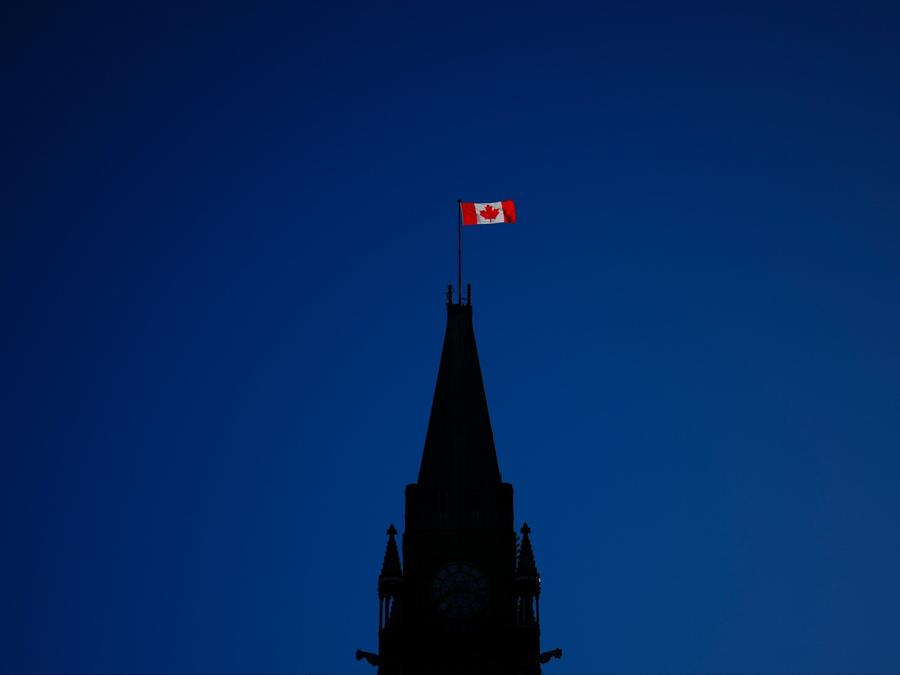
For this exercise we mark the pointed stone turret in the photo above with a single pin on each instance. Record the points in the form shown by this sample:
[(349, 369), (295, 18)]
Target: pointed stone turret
[(527, 583), (525, 565), (459, 444), (391, 571), (390, 583)]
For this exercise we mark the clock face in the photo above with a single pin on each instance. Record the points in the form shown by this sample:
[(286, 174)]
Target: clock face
[(459, 590)]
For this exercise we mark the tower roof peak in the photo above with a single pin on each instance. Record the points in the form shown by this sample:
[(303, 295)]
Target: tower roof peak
[(459, 443)]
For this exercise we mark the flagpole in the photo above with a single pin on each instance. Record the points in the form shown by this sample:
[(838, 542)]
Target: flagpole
[(459, 246)]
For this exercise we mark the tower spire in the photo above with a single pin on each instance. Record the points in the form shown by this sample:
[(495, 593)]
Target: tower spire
[(466, 598), (459, 443)]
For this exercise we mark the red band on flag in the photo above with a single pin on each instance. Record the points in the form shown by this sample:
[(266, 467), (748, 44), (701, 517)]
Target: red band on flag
[(468, 213), (509, 211)]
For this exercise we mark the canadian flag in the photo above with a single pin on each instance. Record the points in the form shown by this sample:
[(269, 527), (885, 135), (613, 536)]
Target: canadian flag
[(477, 213)]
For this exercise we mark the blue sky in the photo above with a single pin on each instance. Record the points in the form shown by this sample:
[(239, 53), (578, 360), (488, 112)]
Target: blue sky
[(227, 231)]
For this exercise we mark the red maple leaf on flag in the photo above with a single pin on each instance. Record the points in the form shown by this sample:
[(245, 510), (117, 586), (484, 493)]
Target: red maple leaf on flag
[(489, 212)]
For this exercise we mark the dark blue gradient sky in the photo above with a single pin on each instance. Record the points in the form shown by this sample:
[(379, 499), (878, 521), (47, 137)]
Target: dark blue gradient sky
[(227, 230)]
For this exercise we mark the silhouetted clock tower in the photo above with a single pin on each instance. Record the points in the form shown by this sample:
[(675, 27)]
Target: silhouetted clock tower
[(466, 597)]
